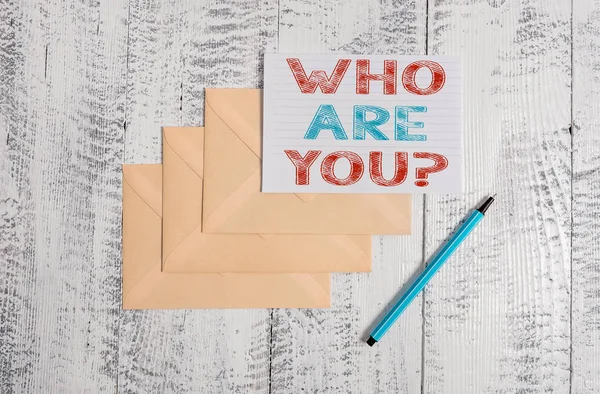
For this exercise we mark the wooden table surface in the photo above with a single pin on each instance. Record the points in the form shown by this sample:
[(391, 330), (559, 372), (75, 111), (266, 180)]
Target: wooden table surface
[(85, 85)]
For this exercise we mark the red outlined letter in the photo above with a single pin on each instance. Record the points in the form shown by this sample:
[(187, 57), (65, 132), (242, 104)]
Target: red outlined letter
[(364, 77), (356, 168), (438, 77), (400, 170), (308, 85), (302, 164), (422, 173)]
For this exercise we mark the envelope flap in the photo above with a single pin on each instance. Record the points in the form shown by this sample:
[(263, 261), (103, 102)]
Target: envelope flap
[(141, 224), (188, 144), (146, 182), (241, 110), (183, 157)]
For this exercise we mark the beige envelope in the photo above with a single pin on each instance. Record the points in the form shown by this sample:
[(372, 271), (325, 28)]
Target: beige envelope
[(146, 287), (233, 202), (187, 249)]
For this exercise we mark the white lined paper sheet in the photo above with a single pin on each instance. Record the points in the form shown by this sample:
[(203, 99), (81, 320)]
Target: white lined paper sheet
[(368, 143)]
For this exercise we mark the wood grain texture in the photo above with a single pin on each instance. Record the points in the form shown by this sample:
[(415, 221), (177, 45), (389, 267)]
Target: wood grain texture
[(586, 203), (63, 94), (324, 351), (86, 85), (14, 298), (497, 317), (176, 50)]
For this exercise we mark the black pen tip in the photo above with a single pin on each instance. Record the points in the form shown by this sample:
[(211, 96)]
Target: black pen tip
[(484, 207), (371, 341)]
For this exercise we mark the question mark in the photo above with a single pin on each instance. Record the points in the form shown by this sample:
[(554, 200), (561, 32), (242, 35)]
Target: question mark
[(441, 163)]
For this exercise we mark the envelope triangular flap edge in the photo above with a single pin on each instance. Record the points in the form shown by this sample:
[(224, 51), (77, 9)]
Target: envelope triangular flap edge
[(247, 117), (142, 197)]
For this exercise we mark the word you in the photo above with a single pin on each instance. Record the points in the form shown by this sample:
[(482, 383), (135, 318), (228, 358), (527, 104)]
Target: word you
[(357, 167)]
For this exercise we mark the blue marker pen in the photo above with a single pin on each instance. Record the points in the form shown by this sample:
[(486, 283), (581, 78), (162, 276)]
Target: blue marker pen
[(436, 263)]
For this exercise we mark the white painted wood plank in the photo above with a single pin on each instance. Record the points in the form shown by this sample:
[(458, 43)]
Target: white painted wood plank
[(14, 298), (324, 351), (497, 316), (62, 72), (586, 198), (176, 50)]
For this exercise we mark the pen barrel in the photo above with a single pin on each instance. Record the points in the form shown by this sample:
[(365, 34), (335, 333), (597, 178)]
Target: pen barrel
[(434, 265)]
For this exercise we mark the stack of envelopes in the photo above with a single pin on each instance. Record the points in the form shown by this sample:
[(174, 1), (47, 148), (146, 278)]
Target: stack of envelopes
[(198, 233)]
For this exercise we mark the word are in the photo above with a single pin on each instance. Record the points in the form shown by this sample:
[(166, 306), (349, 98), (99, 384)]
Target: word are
[(389, 77), (357, 167), (326, 118)]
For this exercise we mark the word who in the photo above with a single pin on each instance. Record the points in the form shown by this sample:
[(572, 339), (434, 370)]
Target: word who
[(329, 85)]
